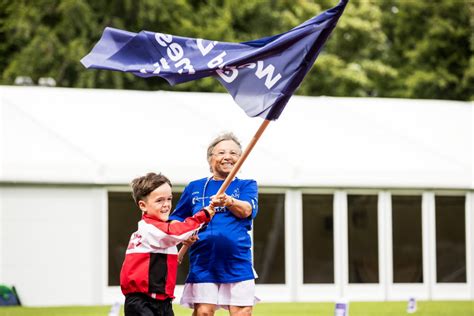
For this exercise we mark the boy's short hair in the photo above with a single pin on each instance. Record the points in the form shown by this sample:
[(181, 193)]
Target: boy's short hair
[(142, 186)]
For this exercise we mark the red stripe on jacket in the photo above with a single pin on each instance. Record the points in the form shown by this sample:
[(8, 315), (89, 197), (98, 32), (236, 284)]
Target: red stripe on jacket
[(151, 260)]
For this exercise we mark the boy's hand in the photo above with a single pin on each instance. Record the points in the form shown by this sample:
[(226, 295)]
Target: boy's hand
[(190, 241), (210, 210)]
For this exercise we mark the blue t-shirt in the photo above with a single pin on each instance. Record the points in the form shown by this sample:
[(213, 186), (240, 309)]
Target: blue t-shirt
[(222, 254)]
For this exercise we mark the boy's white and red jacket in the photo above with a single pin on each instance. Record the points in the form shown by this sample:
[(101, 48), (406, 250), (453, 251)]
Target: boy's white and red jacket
[(151, 259)]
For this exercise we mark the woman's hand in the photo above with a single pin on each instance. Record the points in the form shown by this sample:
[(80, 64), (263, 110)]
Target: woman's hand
[(222, 200), (241, 209)]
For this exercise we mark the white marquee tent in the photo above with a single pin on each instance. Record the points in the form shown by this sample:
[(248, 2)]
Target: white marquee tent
[(57, 135)]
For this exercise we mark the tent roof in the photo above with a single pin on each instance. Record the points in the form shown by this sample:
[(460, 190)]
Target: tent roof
[(95, 136)]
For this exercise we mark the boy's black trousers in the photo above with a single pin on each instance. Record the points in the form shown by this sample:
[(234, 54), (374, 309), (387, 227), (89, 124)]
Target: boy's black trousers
[(139, 304)]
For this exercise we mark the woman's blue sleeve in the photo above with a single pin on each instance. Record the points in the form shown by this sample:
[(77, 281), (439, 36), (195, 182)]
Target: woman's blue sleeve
[(250, 194), (184, 207)]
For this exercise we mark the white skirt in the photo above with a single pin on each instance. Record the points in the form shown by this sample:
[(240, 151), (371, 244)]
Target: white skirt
[(221, 294)]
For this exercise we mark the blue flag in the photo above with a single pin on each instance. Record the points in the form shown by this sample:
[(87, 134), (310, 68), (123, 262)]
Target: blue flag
[(261, 75)]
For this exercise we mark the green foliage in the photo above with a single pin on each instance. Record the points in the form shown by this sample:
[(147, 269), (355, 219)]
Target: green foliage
[(431, 46), (385, 48)]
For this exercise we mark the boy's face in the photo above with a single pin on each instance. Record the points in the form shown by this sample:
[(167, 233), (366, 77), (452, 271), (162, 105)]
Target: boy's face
[(158, 203)]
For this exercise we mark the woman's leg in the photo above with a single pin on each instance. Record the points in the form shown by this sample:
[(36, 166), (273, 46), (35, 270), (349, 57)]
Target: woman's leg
[(201, 309), (240, 310)]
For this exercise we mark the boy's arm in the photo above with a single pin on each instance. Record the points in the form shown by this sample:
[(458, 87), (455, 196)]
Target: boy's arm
[(190, 224), (176, 232)]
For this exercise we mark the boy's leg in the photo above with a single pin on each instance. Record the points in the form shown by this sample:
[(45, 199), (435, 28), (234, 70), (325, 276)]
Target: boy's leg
[(138, 304), (164, 308)]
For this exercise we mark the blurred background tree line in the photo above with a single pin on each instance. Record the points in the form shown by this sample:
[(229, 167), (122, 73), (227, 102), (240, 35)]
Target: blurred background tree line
[(383, 48)]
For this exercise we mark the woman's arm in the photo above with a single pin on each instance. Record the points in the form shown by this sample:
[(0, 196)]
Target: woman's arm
[(241, 209)]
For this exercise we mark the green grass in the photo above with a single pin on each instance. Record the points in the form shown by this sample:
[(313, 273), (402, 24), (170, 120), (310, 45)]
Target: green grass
[(425, 308)]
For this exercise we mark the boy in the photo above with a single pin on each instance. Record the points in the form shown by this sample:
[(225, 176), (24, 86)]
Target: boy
[(148, 275)]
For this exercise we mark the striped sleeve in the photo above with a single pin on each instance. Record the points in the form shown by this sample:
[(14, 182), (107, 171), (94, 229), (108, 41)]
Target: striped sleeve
[(170, 234)]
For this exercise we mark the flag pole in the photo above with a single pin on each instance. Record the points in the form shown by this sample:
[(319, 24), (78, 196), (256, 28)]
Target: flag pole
[(231, 175)]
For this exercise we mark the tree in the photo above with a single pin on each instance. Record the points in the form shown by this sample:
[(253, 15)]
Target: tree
[(351, 63), (431, 45), (386, 48)]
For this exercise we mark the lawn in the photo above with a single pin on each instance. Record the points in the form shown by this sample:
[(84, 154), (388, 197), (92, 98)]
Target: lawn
[(425, 308)]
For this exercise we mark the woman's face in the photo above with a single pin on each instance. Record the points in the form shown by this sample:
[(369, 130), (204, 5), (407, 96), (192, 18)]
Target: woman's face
[(223, 158)]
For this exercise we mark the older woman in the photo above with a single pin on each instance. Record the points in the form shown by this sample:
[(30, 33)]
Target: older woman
[(221, 274)]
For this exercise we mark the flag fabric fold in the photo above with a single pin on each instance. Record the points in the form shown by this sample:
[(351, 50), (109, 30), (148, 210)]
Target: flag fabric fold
[(261, 75)]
